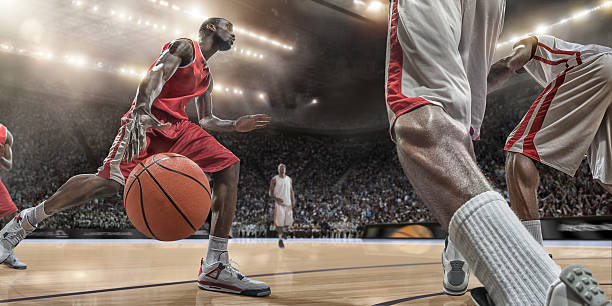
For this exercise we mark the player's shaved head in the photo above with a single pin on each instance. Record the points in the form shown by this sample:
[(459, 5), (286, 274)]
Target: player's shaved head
[(220, 30), (281, 168), (216, 21)]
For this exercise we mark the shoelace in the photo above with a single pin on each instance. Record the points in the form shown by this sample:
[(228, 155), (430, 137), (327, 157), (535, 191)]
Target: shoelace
[(235, 271)]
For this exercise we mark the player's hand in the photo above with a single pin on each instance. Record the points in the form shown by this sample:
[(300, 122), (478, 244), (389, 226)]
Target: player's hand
[(251, 122), (141, 121), (279, 201)]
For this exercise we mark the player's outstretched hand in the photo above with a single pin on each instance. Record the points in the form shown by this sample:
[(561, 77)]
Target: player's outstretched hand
[(137, 127), (251, 122)]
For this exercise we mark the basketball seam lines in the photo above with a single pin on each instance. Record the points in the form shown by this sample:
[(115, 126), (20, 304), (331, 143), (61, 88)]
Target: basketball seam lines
[(187, 175), (147, 167), (171, 201), (144, 217)]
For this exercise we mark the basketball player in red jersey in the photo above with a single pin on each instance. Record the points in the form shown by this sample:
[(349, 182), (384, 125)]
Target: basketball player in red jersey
[(157, 123), (7, 207), (438, 56)]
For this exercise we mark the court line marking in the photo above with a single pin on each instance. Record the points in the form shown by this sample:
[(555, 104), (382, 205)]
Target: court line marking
[(424, 296), (566, 243), (252, 276)]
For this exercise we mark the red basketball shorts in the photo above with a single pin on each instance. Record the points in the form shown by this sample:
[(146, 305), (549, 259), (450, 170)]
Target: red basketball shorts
[(7, 206), (183, 137)]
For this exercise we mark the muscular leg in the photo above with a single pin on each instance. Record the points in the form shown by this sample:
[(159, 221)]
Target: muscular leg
[(224, 196), (78, 190), (281, 231), (436, 154), (523, 179)]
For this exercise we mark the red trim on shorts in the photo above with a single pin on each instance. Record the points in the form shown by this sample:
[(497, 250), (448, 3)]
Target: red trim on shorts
[(549, 62), (554, 51), (105, 172), (529, 148), (398, 103), (521, 130)]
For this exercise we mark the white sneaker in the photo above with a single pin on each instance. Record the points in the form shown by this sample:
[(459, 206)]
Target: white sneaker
[(576, 286), (456, 271), (221, 276), (11, 235), (13, 262)]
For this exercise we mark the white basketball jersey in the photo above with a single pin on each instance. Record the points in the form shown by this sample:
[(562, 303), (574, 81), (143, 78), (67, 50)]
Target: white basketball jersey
[(282, 189), (553, 56)]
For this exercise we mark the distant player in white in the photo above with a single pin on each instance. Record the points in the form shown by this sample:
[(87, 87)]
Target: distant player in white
[(439, 53), (281, 190), (571, 117)]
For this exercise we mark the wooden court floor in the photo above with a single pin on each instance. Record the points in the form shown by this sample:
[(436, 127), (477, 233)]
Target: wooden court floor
[(306, 272)]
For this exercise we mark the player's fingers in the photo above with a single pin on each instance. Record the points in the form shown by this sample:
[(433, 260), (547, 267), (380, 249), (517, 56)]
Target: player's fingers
[(263, 117), (163, 126)]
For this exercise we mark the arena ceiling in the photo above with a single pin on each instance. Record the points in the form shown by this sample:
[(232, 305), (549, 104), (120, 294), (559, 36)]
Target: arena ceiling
[(294, 51)]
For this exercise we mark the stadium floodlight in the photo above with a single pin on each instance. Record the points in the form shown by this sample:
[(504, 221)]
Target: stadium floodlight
[(95, 8), (581, 14), (542, 29), (261, 96), (176, 7), (359, 2), (315, 101), (375, 6), (546, 28)]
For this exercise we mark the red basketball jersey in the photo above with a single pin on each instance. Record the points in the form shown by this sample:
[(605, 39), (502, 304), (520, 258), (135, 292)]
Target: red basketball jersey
[(186, 83), (2, 134)]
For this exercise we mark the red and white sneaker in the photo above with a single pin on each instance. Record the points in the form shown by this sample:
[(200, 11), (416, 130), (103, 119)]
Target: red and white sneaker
[(222, 277)]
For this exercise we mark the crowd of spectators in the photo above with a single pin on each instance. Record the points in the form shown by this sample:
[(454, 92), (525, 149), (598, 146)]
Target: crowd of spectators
[(341, 183)]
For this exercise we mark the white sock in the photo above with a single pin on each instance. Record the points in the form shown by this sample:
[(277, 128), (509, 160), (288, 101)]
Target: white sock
[(216, 247), (37, 214), (514, 268), (535, 229)]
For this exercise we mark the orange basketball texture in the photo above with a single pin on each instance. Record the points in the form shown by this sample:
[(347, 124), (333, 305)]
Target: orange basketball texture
[(167, 197)]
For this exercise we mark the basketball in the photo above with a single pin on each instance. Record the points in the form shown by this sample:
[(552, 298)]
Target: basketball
[(167, 197)]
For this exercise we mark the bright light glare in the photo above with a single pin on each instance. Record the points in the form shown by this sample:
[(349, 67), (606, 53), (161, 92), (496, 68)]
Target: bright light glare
[(375, 6), (541, 29), (315, 101)]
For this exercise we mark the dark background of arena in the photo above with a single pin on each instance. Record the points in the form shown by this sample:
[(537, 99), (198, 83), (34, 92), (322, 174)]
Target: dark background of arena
[(343, 164)]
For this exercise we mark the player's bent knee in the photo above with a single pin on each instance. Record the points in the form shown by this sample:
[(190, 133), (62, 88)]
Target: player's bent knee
[(428, 126), (99, 186)]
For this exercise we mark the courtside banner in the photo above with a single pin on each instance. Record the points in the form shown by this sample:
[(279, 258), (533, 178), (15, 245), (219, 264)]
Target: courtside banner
[(578, 228), (99, 234)]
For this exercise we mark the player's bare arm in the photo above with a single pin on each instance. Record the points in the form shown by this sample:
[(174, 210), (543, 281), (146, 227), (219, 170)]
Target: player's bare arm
[(6, 152), (506, 67), (179, 52), (211, 122), (272, 195)]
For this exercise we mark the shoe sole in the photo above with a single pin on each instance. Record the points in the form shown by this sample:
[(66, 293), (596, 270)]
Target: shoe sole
[(15, 267), (258, 293), (453, 292), (580, 280)]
